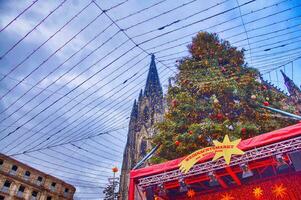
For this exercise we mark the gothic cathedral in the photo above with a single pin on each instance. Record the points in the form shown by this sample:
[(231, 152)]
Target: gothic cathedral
[(145, 113)]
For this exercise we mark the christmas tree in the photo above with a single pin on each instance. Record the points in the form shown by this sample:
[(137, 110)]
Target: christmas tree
[(215, 94)]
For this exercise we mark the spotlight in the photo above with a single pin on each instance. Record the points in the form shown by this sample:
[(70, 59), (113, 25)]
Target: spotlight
[(246, 172), (162, 191), (213, 180), (281, 164), (183, 186)]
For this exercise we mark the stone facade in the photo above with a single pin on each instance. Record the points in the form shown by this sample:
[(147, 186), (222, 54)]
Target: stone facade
[(294, 92), (19, 181), (145, 113)]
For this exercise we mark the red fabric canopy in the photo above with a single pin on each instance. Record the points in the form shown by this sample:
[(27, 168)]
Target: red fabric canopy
[(261, 140)]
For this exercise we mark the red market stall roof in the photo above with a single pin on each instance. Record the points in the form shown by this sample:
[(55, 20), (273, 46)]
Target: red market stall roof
[(265, 141), (251, 143)]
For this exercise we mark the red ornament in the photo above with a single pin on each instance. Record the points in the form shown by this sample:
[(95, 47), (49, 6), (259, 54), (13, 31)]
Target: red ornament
[(174, 103), (177, 143), (115, 169), (264, 87), (243, 130), (266, 103), (219, 116), (190, 132)]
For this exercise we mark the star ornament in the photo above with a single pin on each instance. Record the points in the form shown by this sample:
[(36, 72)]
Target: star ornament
[(258, 192), (279, 190), (226, 149), (227, 197), (191, 193)]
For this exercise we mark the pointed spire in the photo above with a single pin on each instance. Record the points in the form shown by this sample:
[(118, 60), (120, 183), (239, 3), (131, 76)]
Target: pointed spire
[(153, 86), (140, 95), (291, 86), (134, 113)]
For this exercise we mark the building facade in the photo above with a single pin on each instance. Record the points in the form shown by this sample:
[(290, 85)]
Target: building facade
[(294, 92), (145, 113), (20, 181)]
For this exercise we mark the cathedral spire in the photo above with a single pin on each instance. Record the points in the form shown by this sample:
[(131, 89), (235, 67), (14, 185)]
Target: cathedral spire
[(153, 86), (291, 86), (140, 95), (134, 113)]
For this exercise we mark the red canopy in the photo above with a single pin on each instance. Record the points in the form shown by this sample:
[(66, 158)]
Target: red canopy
[(261, 140)]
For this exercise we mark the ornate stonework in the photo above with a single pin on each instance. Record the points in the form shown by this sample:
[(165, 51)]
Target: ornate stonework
[(145, 113)]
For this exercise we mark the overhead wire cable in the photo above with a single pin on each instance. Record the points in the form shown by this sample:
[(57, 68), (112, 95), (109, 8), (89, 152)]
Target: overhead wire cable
[(13, 68), (62, 75), (61, 144), (83, 82), (48, 58), (61, 168), (82, 108), (19, 15), (178, 20), (31, 30), (246, 32)]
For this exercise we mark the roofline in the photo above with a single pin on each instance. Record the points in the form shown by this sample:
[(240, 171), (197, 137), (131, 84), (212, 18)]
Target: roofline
[(34, 169)]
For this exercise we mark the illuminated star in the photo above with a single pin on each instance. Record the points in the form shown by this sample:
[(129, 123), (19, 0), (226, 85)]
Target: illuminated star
[(227, 197), (191, 193), (258, 192), (279, 190), (227, 152)]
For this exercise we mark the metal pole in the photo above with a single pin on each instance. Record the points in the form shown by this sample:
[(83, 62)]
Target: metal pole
[(113, 185), (282, 112)]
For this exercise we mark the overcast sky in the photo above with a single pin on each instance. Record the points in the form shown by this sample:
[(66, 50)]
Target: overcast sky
[(69, 74)]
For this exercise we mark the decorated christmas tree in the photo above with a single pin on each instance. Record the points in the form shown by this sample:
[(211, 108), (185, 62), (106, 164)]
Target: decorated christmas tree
[(215, 93)]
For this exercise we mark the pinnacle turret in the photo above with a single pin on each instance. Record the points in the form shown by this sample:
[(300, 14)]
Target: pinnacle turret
[(153, 86), (291, 86), (134, 113), (140, 95)]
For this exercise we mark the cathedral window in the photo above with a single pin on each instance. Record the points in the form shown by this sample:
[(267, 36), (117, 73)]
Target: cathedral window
[(146, 114), (143, 147)]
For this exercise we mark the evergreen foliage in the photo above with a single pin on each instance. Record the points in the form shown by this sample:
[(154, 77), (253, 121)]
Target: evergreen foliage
[(213, 95)]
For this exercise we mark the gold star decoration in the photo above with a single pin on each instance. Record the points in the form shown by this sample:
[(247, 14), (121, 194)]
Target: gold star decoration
[(279, 190), (227, 197), (258, 192), (191, 193), (227, 152)]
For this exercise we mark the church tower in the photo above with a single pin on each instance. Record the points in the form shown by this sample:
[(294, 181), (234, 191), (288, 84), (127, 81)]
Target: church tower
[(147, 111), (294, 91)]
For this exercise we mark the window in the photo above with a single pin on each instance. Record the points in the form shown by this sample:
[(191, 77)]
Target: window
[(52, 187), (20, 191), (66, 192), (27, 175), (13, 170), (34, 195), (39, 180), (6, 186), (1, 163), (49, 198)]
